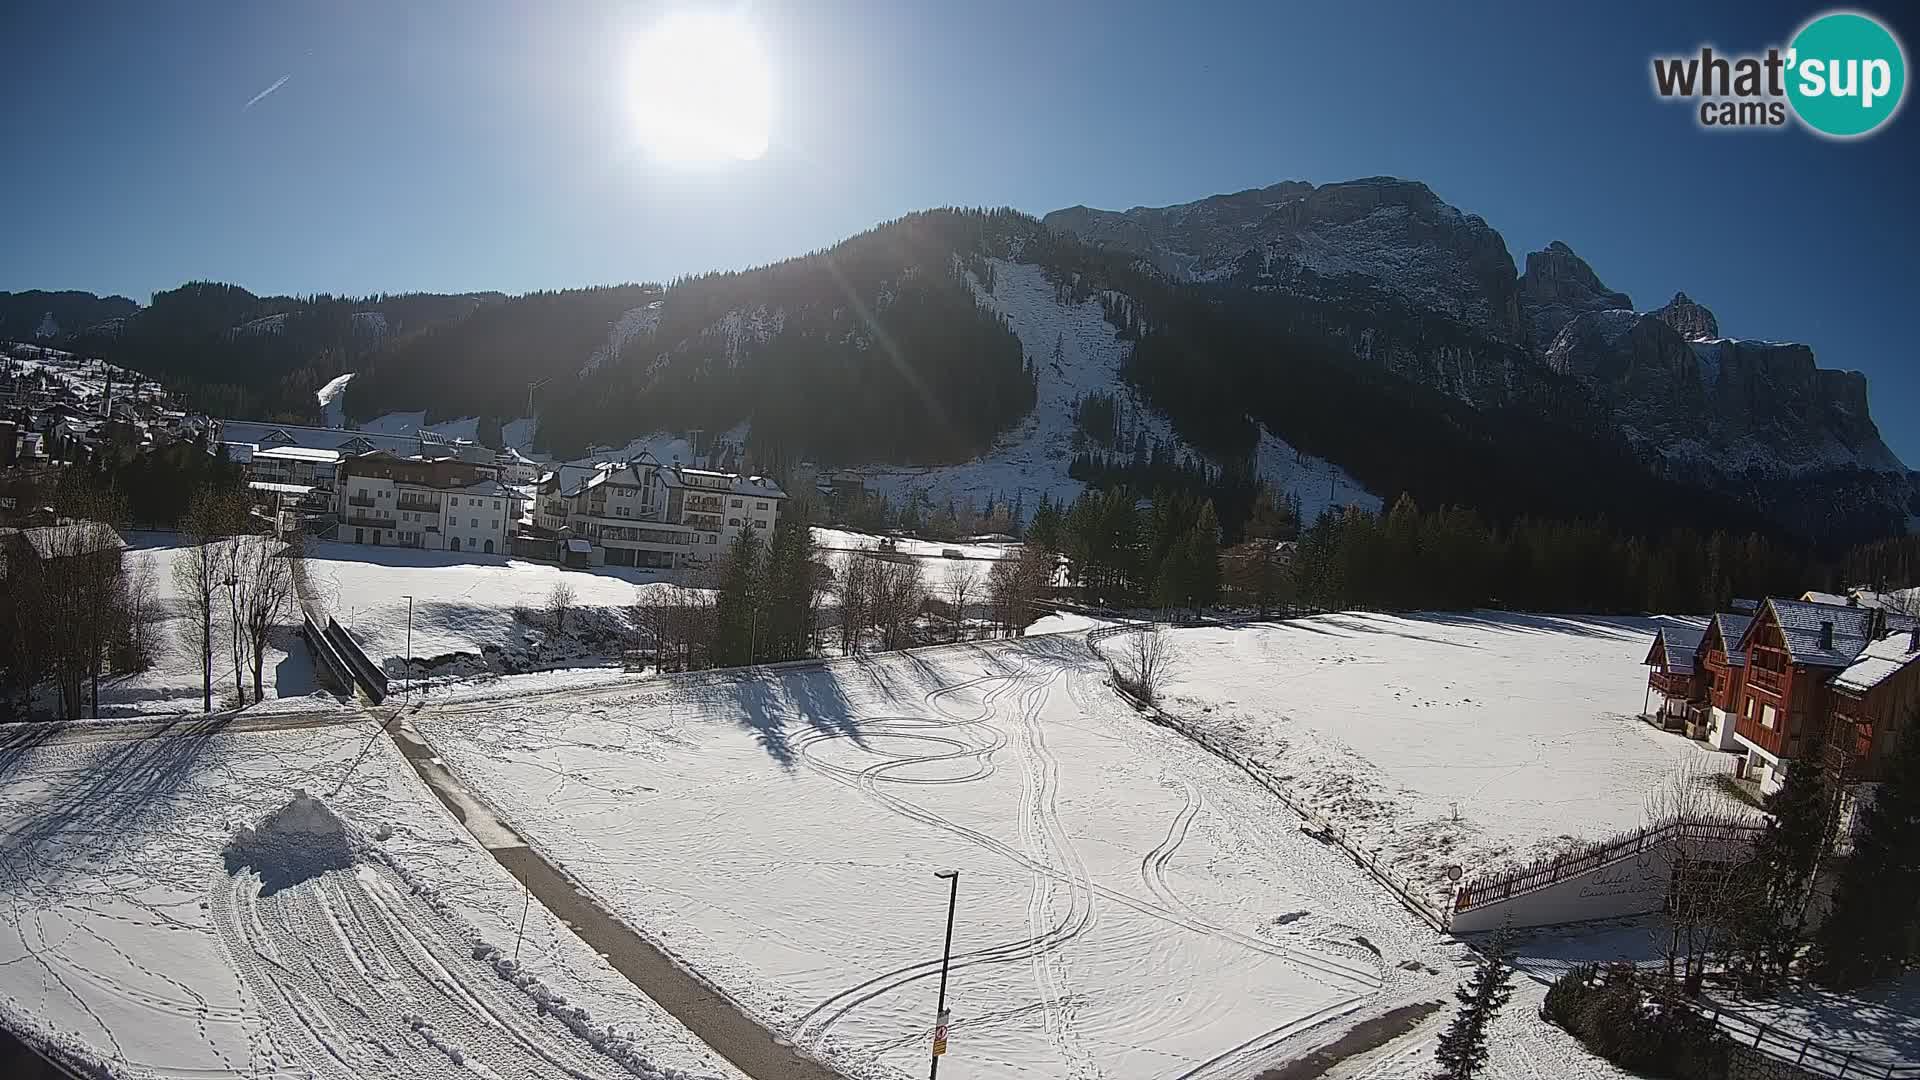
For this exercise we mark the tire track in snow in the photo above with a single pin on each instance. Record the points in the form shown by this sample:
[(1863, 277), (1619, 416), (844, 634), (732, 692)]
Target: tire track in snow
[(381, 986)]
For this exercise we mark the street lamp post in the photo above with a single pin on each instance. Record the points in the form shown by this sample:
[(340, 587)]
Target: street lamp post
[(946, 962), (409, 685)]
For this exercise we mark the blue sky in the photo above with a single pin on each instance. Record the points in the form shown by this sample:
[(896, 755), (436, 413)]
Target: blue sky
[(469, 145)]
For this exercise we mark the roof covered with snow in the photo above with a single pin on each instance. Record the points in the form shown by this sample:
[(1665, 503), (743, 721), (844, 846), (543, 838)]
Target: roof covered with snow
[(1880, 661), (1677, 645), (1802, 625)]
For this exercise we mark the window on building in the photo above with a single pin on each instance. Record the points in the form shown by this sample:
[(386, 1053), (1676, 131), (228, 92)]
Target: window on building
[(735, 522), (496, 524), (710, 538), (496, 504), (473, 523), (760, 506), (738, 502), (1768, 714)]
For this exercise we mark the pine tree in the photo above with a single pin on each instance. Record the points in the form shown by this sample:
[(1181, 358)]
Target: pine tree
[(1462, 1049), (1767, 934), (1874, 927), (737, 608)]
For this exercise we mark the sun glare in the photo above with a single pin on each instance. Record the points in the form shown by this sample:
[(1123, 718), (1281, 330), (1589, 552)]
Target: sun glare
[(703, 89)]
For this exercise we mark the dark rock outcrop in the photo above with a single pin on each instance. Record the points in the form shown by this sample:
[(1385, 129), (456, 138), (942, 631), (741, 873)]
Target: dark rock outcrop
[(1690, 320), (1557, 286)]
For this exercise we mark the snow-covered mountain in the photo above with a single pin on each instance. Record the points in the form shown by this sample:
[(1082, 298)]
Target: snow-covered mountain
[(1430, 292), (1381, 230), (1758, 418)]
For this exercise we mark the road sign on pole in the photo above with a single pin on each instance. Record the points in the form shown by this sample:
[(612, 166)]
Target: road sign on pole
[(940, 1033)]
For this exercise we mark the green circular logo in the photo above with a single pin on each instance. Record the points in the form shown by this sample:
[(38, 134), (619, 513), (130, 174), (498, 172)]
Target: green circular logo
[(1846, 74)]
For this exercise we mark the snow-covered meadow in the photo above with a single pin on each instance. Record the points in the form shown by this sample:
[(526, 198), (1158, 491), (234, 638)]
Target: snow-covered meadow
[(463, 603), (134, 933), (1442, 740), (1129, 904)]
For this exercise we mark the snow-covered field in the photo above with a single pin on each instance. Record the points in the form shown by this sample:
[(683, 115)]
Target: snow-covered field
[(463, 603), (133, 932), (1129, 906), (1441, 739), (936, 569)]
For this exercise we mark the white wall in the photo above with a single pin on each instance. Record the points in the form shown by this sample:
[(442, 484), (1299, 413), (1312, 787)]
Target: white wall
[(1635, 885)]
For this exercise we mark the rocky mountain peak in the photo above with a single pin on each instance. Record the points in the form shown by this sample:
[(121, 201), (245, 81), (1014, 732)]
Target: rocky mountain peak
[(1557, 286), (1377, 232), (1694, 322)]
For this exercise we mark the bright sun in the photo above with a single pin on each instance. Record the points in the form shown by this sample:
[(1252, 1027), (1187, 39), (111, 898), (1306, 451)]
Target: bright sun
[(703, 89)]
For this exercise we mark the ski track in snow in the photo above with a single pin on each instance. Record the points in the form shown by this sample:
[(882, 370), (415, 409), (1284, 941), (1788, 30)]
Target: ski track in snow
[(1091, 906), (379, 985)]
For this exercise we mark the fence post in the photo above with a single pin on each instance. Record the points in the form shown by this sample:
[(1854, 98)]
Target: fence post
[(1847, 1064), (1758, 1034)]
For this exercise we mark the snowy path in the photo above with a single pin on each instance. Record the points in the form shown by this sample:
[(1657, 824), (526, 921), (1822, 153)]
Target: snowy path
[(1129, 906)]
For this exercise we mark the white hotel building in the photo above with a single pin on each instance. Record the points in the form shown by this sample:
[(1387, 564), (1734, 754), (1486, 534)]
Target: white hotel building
[(642, 513)]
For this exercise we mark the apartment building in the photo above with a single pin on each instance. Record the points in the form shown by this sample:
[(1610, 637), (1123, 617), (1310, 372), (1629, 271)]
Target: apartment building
[(434, 503), (645, 514)]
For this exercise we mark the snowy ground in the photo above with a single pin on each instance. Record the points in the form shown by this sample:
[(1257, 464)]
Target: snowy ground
[(174, 683), (1441, 739), (1130, 906), (936, 569), (463, 603), (127, 934)]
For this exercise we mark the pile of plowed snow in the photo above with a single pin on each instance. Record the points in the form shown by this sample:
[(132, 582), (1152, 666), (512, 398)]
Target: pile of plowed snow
[(301, 840)]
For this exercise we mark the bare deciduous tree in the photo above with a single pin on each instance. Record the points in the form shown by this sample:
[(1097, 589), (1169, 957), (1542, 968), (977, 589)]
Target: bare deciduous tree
[(198, 577), (1708, 879), (963, 585), (559, 602), (898, 596), (856, 600), (265, 590), (1146, 660)]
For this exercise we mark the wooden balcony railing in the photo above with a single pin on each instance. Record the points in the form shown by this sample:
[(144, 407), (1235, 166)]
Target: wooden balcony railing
[(1774, 682), (1671, 684)]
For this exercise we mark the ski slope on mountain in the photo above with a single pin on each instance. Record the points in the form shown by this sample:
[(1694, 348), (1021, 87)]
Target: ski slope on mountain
[(1130, 906), (332, 399), (1076, 353)]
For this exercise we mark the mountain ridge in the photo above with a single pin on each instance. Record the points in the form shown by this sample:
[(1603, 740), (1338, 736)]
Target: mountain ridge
[(1372, 296)]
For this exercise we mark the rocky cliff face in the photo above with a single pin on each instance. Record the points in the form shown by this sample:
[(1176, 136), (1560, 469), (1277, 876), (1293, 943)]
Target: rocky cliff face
[(1688, 319), (1557, 286), (1755, 418), (1430, 292), (1326, 242)]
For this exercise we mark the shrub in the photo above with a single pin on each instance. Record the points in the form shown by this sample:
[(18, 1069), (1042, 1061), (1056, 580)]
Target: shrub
[(1635, 1020)]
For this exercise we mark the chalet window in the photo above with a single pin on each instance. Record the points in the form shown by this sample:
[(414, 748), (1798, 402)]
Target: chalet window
[(1767, 716)]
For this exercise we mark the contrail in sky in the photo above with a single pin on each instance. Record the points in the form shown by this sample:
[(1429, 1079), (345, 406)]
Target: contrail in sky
[(255, 99)]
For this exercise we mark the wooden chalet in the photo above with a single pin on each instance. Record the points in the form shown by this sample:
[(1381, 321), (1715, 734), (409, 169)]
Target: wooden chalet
[(1678, 680), (1794, 652)]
